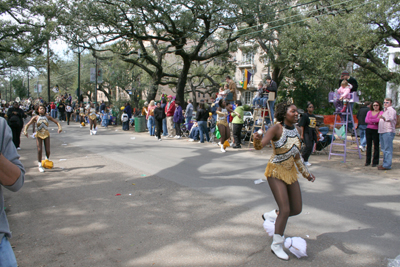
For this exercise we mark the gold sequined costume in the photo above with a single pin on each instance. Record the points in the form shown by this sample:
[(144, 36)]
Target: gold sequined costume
[(282, 162), (42, 125), (92, 114), (82, 112)]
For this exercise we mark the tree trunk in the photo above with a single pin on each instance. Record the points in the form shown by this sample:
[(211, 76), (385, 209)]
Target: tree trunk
[(152, 92), (180, 87)]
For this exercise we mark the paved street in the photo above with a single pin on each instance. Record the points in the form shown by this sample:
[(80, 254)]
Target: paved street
[(187, 204)]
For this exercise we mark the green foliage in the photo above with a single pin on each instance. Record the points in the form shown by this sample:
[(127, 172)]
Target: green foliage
[(19, 88)]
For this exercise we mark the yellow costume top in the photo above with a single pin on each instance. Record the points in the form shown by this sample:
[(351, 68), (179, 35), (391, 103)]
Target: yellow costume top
[(282, 162), (222, 117), (42, 124), (92, 114), (82, 112)]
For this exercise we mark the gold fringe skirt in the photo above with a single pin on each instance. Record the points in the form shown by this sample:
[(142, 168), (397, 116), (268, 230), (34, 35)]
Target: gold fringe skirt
[(281, 172)]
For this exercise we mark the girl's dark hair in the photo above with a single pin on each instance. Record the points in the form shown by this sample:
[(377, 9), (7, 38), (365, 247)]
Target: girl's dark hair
[(373, 102), (281, 110), (309, 104), (220, 102), (178, 102), (201, 105)]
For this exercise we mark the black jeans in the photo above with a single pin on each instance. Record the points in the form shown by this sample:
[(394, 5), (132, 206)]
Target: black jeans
[(68, 117), (237, 133), (372, 136), (309, 143), (178, 128), (158, 128), (16, 132)]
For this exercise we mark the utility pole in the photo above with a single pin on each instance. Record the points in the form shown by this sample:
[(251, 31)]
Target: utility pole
[(79, 77), (10, 86), (28, 82), (95, 89), (48, 72)]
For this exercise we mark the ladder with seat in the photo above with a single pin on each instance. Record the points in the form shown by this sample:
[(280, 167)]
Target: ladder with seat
[(339, 142), (260, 112)]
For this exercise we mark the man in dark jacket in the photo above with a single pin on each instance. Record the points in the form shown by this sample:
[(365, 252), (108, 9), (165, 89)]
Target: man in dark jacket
[(362, 125), (15, 119), (128, 110), (159, 115)]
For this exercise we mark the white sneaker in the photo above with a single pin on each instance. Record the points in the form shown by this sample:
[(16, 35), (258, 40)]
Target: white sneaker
[(308, 164), (159, 139), (41, 169), (178, 137), (222, 149), (91, 133), (219, 143), (362, 148), (199, 142), (155, 137), (191, 140), (18, 148), (81, 126)]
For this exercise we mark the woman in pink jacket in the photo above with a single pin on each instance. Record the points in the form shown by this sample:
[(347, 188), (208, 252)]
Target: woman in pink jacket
[(372, 119)]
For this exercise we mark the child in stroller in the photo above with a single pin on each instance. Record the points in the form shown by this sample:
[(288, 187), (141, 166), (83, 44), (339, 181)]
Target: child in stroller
[(323, 140)]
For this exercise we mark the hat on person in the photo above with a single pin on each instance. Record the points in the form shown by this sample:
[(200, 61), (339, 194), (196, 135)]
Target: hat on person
[(268, 77), (170, 96), (345, 72)]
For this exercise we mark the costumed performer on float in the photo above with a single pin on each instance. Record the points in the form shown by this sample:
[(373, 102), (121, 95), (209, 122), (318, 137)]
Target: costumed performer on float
[(281, 171), (91, 113), (42, 134)]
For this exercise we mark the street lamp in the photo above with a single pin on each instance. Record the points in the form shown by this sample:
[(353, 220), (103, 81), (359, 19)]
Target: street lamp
[(79, 50)]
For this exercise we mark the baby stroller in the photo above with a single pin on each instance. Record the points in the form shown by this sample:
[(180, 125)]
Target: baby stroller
[(246, 130), (185, 128), (212, 127), (324, 141)]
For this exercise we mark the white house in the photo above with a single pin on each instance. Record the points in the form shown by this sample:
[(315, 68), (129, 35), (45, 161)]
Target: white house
[(392, 90)]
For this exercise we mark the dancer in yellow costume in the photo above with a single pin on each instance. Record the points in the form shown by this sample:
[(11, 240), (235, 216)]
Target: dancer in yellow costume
[(42, 134), (91, 113), (281, 171)]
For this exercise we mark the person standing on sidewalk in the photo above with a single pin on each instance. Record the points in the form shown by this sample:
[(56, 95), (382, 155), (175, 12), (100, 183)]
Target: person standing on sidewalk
[(169, 113), (237, 123), (362, 125), (189, 111), (159, 115), (386, 130), (178, 119), (372, 120), (308, 124), (12, 175), (15, 119), (201, 118)]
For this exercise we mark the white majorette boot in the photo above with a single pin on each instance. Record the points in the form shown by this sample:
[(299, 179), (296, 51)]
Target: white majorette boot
[(91, 133), (41, 169), (277, 247), (270, 216)]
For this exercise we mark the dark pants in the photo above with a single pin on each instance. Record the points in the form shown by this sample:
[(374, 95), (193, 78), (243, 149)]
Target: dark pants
[(237, 133), (159, 127), (68, 117), (125, 125), (309, 143), (178, 128), (16, 132), (372, 136)]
